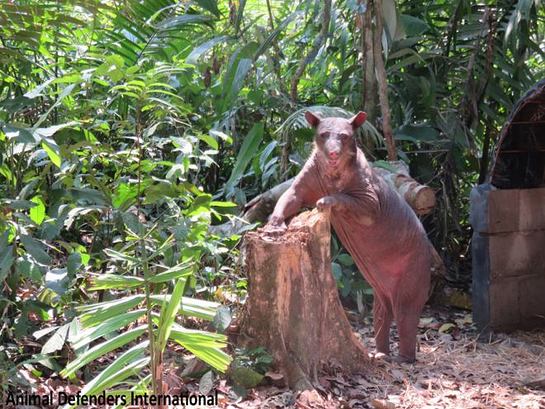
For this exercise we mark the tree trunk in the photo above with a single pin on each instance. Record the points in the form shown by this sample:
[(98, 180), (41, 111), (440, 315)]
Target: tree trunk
[(316, 45), (382, 82), (306, 60), (293, 307), (369, 78)]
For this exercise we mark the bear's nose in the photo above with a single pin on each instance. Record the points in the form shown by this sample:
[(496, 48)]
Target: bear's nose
[(333, 154)]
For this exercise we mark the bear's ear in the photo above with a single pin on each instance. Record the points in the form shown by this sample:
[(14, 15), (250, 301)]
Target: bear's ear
[(313, 119), (357, 120)]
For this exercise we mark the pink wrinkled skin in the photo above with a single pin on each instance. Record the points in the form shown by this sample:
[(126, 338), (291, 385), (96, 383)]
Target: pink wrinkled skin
[(376, 226)]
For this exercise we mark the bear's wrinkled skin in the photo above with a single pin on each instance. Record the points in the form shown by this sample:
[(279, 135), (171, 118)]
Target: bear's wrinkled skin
[(376, 226)]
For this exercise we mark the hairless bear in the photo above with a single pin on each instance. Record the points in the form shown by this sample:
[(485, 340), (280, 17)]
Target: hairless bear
[(373, 222)]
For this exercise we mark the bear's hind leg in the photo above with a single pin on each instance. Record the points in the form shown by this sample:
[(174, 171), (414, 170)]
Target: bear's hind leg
[(382, 320), (407, 326)]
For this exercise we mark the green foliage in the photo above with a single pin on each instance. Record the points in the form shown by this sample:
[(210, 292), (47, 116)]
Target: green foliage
[(349, 278), (101, 153), (249, 367)]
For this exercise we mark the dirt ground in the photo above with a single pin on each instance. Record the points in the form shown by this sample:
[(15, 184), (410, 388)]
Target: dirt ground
[(453, 370)]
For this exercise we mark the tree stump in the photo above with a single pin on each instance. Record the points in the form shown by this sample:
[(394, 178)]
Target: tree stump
[(293, 307)]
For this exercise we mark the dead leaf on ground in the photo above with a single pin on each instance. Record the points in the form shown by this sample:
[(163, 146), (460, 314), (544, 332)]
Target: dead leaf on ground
[(445, 328), (382, 404)]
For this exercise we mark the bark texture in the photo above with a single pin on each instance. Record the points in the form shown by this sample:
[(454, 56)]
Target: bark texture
[(293, 307)]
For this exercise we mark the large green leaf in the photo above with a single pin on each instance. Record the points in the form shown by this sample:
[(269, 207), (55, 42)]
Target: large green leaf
[(389, 14), (240, 63), (173, 273), (192, 307), (53, 151), (35, 248), (417, 133), (205, 345), (242, 68), (37, 213), (198, 51), (130, 363), (6, 261), (124, 195), (210, 5), (109, 309), (246, 153), (19, 134), (413, 26), (177, 23), (56, 342), (101, 349), (119, 256), (105, 328), (168, 313), (114, 281)]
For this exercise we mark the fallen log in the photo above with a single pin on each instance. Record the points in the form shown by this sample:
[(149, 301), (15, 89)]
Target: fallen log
[(261, 206), (421, 198), (293, 307)]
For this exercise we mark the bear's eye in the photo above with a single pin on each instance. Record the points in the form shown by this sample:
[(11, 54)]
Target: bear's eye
[(324, 135), (344, 136)]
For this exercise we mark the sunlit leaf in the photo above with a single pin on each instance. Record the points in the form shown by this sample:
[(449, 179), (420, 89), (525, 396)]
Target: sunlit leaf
[(198, 51), (107, 310), (204, 345), (56, 342), (52, 150), (37, 213), (107, 327), (210, 5), (169, 311), (127, 364), (111, 281), (173, 273)]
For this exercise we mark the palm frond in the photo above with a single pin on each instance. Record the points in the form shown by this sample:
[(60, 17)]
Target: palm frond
[(370, 136)]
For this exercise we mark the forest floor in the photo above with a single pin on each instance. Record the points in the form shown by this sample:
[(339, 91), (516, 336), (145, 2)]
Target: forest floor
[(453, 370)]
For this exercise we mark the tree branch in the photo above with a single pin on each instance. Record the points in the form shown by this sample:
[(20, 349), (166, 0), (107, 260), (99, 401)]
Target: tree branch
[(369, 80), (318, 41)]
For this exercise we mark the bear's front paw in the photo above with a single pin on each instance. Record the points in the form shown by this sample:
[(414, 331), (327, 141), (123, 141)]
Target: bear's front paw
[(326, 202), (275, 225)]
